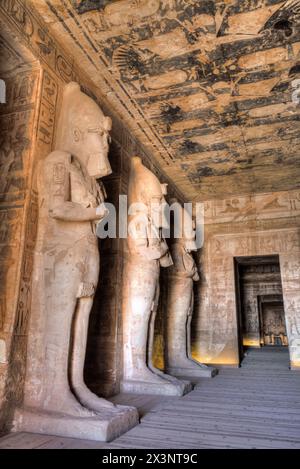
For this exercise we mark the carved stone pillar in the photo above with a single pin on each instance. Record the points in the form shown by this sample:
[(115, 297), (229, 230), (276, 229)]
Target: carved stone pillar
[(66, 269), (147, 251), (182, 275)]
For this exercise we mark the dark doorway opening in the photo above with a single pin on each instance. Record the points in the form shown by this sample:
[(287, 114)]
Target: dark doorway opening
[(260, 309)]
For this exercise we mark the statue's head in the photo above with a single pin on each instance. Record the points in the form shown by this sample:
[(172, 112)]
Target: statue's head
[(83, 130), (184, 226), (189, 232), (146, 192)]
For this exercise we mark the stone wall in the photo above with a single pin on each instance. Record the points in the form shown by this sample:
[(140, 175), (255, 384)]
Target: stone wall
[(258, 225), (17, 215)]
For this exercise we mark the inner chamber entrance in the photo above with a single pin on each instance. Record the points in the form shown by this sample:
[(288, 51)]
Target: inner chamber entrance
[(260, 302)]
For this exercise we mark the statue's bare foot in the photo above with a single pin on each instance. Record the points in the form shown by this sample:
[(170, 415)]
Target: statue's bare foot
[(205, 369), (91, 401), (194, 363), (148, 375), (163, 375), (189, 367), (67, 403), (191, 363)]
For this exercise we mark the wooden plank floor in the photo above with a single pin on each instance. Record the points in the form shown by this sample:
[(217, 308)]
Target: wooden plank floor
[(255, 406)]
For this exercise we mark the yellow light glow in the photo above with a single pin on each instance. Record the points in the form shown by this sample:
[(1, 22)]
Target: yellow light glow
[(219, 360), (251, 342), (295, 364), (158, 353)]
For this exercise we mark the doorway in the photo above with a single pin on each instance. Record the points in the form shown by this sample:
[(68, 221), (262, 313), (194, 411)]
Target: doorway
[(260, 308)]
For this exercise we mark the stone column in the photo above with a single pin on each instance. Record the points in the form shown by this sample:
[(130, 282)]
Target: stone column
[(147, 251), (65, 274), (181, 277)]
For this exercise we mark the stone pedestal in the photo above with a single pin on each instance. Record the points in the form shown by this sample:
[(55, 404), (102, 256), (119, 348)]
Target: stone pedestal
[(104, 426), (163, 389), (193, 369)]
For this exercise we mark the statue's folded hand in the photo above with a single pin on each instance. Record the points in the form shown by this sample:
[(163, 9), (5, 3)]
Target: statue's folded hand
[(101, 211)]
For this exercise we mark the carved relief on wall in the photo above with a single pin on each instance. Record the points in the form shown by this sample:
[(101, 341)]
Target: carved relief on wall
[(37, 37), (17, 117), (24, 301), (291, 268), (45, 126), (18, 230), (25, 21), (217, 263), (292, 318), (256, 243), (220, 326), (9, 58), (14, 154), (10, 234), (21, 89), (254, 207), (291, 305), (45, 129), (16, 123), (250, 312), (47, 110)]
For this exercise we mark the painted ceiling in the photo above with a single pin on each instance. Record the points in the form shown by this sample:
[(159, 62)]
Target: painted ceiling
[(210, 87)]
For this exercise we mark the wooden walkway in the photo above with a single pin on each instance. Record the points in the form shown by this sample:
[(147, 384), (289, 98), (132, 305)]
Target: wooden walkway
[(255, 406)]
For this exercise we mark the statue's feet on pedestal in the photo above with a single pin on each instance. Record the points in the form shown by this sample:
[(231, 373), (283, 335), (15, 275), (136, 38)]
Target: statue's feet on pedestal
[(70, 419), (65, 402), (191, 368), (147, 382), (91, 401), (163, 375)]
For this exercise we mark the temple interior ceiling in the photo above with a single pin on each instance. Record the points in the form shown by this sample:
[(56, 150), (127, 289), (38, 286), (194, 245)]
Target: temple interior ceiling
[(207, 86)]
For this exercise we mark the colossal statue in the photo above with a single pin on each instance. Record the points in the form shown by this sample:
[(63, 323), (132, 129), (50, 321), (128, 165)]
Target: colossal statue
[(65, 275), (181, 275), (147, 251)]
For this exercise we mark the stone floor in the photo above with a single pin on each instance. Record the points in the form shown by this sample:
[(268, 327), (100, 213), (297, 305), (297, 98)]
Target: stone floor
[(255, 406)]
